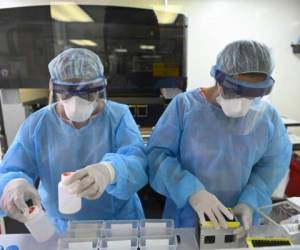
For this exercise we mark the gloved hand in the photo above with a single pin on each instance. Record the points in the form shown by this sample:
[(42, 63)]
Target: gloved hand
[(93, 180), (246, 214), (204, 202), (14, 197)]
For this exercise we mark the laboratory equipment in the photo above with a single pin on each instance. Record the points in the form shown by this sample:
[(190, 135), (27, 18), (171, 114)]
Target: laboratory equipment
[(284, 217), (233, 224), (86, 224), (119, 243), (38, 224), (120, 234), (85, 229), (210, 238), (84, 233), (255, 242), (113, 228), (68, 203), (66, 243), (158, 242), (156, 227)]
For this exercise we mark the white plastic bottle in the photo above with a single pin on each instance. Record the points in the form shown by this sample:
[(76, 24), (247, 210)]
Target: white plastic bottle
[(68, 203), (39, 225)]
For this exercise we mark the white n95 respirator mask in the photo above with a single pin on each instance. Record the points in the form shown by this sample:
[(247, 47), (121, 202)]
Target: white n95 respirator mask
[(78, 109), (236, 107)]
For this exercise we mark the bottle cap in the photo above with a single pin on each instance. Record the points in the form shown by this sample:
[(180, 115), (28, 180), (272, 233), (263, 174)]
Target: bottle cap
[(66, 175), (34, 212)]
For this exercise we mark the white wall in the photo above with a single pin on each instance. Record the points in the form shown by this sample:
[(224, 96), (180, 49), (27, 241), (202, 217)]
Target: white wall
[(214, 23)]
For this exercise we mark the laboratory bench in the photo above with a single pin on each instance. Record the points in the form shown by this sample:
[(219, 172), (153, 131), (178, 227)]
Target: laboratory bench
[(186, 235)]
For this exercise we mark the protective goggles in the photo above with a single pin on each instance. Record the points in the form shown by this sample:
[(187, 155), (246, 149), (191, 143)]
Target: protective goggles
[(87, 90), (233, 88)]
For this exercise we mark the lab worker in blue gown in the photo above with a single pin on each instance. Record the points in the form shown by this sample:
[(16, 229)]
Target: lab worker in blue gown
[(80, 132), (224, 146)]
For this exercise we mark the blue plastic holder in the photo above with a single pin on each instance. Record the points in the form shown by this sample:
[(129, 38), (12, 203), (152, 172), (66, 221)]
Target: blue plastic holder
[(12, 247)]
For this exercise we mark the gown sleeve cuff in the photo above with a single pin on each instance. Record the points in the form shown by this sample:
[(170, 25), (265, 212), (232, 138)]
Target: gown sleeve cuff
[(111, 171), (193, 186)]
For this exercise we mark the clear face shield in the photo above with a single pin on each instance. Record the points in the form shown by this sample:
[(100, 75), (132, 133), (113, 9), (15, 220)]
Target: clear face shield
[(241, 100), (79, 99), (233, 88)]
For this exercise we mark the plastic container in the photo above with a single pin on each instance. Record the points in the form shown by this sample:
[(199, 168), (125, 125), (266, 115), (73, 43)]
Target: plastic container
[(157, 227), (39, 225), (68, 203), (84, 233), (119, 243), (85, 224), (66, 243), (115, 228), (162, 242), (85, 229), (284, 218)]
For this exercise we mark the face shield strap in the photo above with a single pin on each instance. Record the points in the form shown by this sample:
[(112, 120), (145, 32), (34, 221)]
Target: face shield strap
[(233, 87), (62, 90), (219, 76), (79, 87)]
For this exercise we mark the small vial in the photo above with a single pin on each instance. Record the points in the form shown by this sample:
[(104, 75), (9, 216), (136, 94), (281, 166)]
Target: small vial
[(68, 203), (38, 224)]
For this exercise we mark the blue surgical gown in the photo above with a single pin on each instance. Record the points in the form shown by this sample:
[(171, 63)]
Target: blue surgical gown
[(46, 146), (195, 146)]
